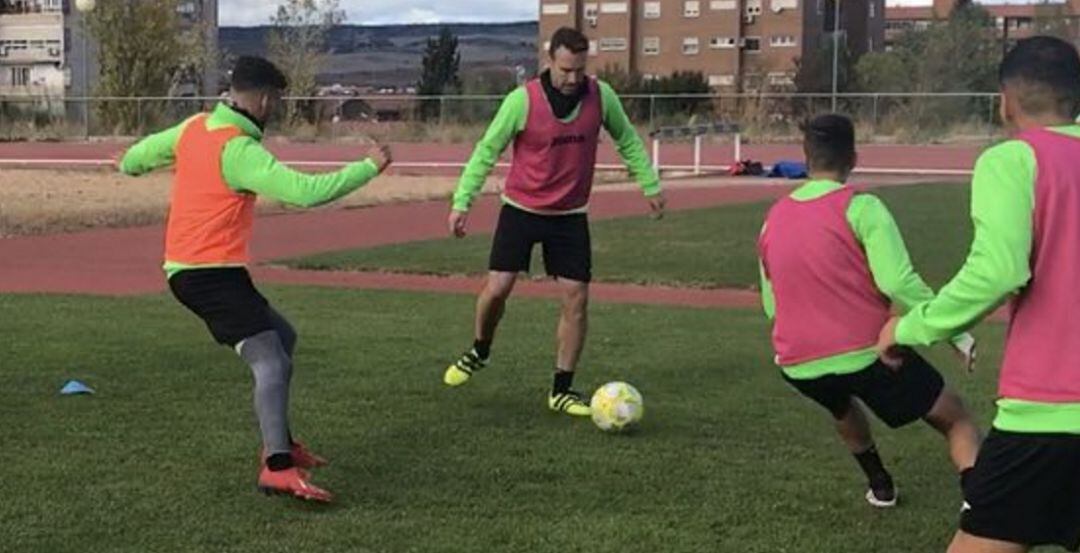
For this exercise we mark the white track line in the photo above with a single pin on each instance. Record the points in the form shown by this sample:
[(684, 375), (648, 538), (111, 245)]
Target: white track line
[(458, 165)]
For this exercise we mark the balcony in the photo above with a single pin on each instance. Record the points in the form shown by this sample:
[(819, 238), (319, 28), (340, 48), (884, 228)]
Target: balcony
[(31, 55), (31, 19), (23, 7)]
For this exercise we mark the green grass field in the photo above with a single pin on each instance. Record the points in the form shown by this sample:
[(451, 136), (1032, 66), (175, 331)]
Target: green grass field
[(163, 457), (708, 247)]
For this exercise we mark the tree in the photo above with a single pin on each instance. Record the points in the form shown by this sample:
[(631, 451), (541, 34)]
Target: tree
[(140, 48), (813, 73), (441, 64), (492, 82), (666, 101), (297, 44), (957, 54), (884, 72)]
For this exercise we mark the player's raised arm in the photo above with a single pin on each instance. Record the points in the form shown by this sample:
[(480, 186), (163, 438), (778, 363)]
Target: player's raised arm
[(248, 166), (153, 152)]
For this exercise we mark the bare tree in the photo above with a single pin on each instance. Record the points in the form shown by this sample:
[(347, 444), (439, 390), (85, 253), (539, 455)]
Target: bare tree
[(297, 43)]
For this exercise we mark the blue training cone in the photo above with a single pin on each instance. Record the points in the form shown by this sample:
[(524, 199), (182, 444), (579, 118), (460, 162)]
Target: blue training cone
[(74, 387)]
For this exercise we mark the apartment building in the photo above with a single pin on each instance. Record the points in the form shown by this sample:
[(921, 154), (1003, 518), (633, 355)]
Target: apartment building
[(45, 53), (32, 48), (738, 44)]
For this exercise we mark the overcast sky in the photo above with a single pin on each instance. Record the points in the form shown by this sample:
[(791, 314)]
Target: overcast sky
[(370, 12), (373, 12)]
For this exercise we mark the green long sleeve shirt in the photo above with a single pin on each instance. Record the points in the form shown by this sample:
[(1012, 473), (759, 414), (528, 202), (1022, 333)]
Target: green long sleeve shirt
[(511, 119), (890, 265), (247, 166), (998, 265)]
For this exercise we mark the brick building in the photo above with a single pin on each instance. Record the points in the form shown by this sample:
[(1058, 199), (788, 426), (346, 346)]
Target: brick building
[(737, 44)]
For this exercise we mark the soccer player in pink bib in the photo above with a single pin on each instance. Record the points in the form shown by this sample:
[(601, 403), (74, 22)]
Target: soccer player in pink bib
[(1025, 203), (833, 266)]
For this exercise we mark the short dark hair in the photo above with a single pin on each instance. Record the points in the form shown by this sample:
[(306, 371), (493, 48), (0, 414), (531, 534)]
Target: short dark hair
[(829, 143), (1045, 71), (253, 73), (569, 38)]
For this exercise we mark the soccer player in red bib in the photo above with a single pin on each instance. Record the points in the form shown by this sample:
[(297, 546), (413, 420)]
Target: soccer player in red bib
[(554, 123)]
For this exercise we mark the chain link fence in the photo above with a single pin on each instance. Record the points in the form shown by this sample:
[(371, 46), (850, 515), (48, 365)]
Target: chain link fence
[(892, 117)]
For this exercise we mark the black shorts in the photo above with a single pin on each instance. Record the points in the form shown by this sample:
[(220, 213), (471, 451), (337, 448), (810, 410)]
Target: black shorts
[(565, 240), (226, 300), (1025, 489), (898, 397)]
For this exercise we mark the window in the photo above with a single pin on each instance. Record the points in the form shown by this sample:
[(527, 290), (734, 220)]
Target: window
[(592, 13), (690, 46), (651, 46), (722, 42), (652, 10), (782, 41), (612, 44), (873, 9), (781, 79), (20, 76), (556, 9), (752, 44), (691, 8), (719, 5), (614, 7), (1020, 22), (721, 80)]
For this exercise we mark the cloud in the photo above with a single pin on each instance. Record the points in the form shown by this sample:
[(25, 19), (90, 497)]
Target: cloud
[(421, 15), (375, 12)]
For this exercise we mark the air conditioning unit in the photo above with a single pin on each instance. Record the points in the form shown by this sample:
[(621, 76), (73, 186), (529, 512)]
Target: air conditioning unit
[(749, 19), (54, 52), (592, 20), (3, 52)]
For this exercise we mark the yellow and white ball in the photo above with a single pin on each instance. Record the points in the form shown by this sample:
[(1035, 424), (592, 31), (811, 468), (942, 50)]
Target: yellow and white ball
[(617, 407)]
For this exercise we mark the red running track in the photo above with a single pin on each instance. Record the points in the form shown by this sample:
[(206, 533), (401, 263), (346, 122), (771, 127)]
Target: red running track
[(128, 261)]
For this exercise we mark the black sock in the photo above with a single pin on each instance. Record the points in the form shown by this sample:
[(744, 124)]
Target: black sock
[(563, 381), (872, 466), (482, 348), (964, 476), (279, 462)]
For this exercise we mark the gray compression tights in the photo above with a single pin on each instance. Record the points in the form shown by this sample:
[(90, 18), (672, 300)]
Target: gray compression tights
[(269, 354)]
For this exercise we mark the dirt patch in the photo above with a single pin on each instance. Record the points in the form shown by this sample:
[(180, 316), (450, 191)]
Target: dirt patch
[(50, 201), (39, 201)]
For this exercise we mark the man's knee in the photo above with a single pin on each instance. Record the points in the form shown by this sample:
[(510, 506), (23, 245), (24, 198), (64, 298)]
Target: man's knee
[(499, 286), (575, 294)]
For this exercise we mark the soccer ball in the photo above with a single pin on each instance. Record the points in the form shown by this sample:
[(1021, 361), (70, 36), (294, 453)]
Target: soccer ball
[(617, 407)]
